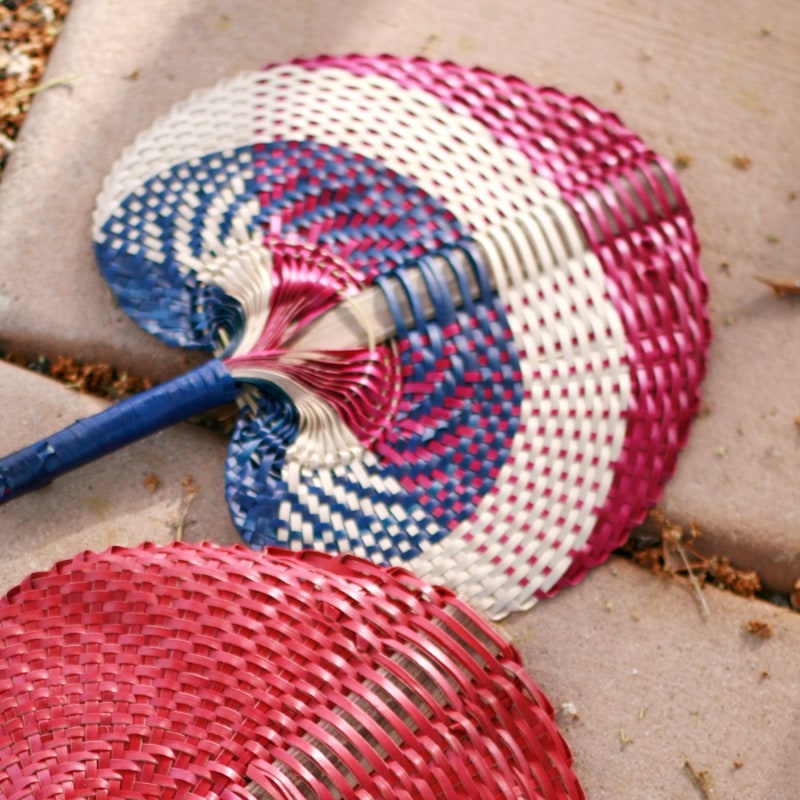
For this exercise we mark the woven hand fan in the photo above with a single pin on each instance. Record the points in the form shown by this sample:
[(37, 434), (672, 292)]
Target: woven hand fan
[(472, 309), (200, 671)]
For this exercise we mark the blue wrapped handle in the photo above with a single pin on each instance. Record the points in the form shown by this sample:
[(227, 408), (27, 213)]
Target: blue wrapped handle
[(206, 387)]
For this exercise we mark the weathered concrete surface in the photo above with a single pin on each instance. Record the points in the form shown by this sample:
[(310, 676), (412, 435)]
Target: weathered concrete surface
[(701, 81), (637, 659), (698, 81), (108, 502)]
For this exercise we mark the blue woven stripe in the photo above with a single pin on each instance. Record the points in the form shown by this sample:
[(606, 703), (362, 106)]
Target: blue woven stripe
[(467, 419), (373, 216), (453, 432)]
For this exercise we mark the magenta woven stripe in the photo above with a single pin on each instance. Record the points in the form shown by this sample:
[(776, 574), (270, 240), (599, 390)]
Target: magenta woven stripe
[(668, 356), (200, 671), (361, 385), (566, 139), (636, 219)]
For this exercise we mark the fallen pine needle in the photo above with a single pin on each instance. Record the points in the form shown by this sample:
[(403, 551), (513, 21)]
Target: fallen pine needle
[(693, 579)]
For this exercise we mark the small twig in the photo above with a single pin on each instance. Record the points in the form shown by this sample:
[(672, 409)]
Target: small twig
[(693, 579), (43, 87), (671, 538), (702, 782), (190, 490)]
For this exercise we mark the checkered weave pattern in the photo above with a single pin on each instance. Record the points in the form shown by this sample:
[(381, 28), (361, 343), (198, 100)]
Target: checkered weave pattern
[(540, 269), (201, 672)]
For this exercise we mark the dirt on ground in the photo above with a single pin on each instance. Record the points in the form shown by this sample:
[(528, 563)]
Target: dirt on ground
[(28, 31), (666, 548), (99, 379)]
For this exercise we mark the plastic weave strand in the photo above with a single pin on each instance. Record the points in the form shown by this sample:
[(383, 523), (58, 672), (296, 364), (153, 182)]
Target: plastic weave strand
[(509, 433), (200, 672)]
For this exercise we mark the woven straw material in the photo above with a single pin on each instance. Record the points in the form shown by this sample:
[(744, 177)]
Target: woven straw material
[(201, 672), (539, 273)]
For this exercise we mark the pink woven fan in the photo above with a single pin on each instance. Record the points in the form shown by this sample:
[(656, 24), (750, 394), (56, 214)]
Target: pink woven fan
[(463, 315), (201, 672)]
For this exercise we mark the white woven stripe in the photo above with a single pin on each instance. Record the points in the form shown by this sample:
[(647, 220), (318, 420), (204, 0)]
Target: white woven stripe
[(450, 156), (323, 439), (209, 121), (576, 383), (576, 387), (576, 390), (392, 521)]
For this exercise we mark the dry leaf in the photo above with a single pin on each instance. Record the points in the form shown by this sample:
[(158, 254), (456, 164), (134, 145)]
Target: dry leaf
[(781, 286)]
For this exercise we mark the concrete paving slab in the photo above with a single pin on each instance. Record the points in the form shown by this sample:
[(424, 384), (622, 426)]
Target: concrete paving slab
[(643, 681), (108, 502), (655, 685), (698, 81)]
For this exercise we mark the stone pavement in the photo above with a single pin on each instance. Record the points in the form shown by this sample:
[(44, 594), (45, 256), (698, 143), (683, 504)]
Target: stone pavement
[(706, 83)]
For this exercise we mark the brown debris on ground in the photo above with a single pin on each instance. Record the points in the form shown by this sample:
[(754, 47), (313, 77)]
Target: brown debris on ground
[(740, 581), (682, 161), (794, 597), (741, 161), (666, 548), (702, 781), (99, 379), (781, 286), (759, 628), (152, 482), (28, 31)]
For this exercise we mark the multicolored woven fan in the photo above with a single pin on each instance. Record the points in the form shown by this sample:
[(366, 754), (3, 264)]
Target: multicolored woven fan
[(199, 671), (472, 309)]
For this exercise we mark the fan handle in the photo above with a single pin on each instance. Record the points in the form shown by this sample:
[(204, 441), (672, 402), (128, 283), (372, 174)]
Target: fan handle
[(206, 387)]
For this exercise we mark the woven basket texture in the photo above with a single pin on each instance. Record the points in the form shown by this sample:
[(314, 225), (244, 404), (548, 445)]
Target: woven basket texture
[(540, 270), (202, 671)]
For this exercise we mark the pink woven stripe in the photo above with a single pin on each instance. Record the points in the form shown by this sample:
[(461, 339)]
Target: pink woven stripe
[(566, 139), (608, 176)]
